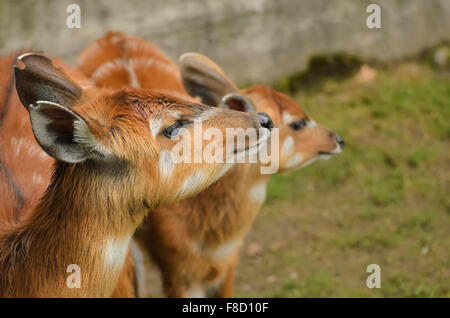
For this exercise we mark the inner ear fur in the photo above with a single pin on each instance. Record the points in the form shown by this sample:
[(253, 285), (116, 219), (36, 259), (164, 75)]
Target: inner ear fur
[(37, 79), (237, 102), (205, 79), (64, 134)]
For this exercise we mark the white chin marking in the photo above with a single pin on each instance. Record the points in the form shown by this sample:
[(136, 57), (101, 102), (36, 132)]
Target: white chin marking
[(195, 291), (115, 252), (310, 161), (288, 146), (155, 126), (294, 160), (166, 164), (224, 170), (338, 149), (258, 193), (192, 183)]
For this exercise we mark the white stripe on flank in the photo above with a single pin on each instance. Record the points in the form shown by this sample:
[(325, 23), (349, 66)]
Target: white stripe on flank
[(311, 124), (37, 178), (108, 67), (19, 146), (134, 82)]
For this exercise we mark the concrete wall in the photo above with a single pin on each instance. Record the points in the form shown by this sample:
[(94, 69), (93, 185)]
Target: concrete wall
[(254, 40)]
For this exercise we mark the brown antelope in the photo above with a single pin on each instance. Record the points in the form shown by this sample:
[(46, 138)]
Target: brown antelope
[(111, 167), (195, 242)]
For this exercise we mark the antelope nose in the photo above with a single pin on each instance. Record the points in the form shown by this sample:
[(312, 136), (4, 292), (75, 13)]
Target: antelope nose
[(339, 140), (265, 120)]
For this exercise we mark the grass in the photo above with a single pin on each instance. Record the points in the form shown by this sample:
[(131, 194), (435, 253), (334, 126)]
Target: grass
[(384, 200)]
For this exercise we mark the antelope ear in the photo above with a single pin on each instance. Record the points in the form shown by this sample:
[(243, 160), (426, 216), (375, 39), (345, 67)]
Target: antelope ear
[(63, 134), (205, 79), (37, 79), (237, 102)]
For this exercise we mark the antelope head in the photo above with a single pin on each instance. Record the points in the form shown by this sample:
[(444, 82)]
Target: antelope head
[(301, 139), (127, 138)]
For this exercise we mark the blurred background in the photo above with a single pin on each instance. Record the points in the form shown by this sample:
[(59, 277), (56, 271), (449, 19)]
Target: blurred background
[(385, 199)]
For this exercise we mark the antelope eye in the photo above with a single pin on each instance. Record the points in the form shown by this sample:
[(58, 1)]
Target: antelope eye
[(298, 124), (174, 130)]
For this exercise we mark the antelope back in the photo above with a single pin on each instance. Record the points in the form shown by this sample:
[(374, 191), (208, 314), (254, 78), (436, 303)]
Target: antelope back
[(118, 60)]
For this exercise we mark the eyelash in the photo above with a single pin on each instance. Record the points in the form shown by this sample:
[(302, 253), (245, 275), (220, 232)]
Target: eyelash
[(168, 132), (298, 124)]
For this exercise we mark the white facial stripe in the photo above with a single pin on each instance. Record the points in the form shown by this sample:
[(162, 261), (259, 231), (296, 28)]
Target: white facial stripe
[(115, 252), (166, 164), (206, 115), (175, 115), (288, 146), (311, 123), (155, 126), (258, 193), (294, 160), (287, 118), (192, 183)]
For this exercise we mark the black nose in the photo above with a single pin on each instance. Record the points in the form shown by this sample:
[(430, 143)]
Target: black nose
[(265, 120), (339, 140)]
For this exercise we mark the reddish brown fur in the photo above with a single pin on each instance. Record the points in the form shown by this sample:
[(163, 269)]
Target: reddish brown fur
[(28, 159), (85, 205), (182, 236), (112, 60)]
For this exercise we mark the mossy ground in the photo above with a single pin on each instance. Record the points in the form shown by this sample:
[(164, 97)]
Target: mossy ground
[(384, 200)]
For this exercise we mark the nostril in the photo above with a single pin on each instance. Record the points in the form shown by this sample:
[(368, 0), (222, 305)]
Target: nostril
[(339, 140), (265, 120)]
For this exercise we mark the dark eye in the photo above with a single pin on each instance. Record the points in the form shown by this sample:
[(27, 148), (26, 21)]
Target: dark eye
[(174, 130), (298, 124)]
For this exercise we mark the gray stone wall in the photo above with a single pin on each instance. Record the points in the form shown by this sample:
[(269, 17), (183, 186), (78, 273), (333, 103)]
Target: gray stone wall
[(254, 40)]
